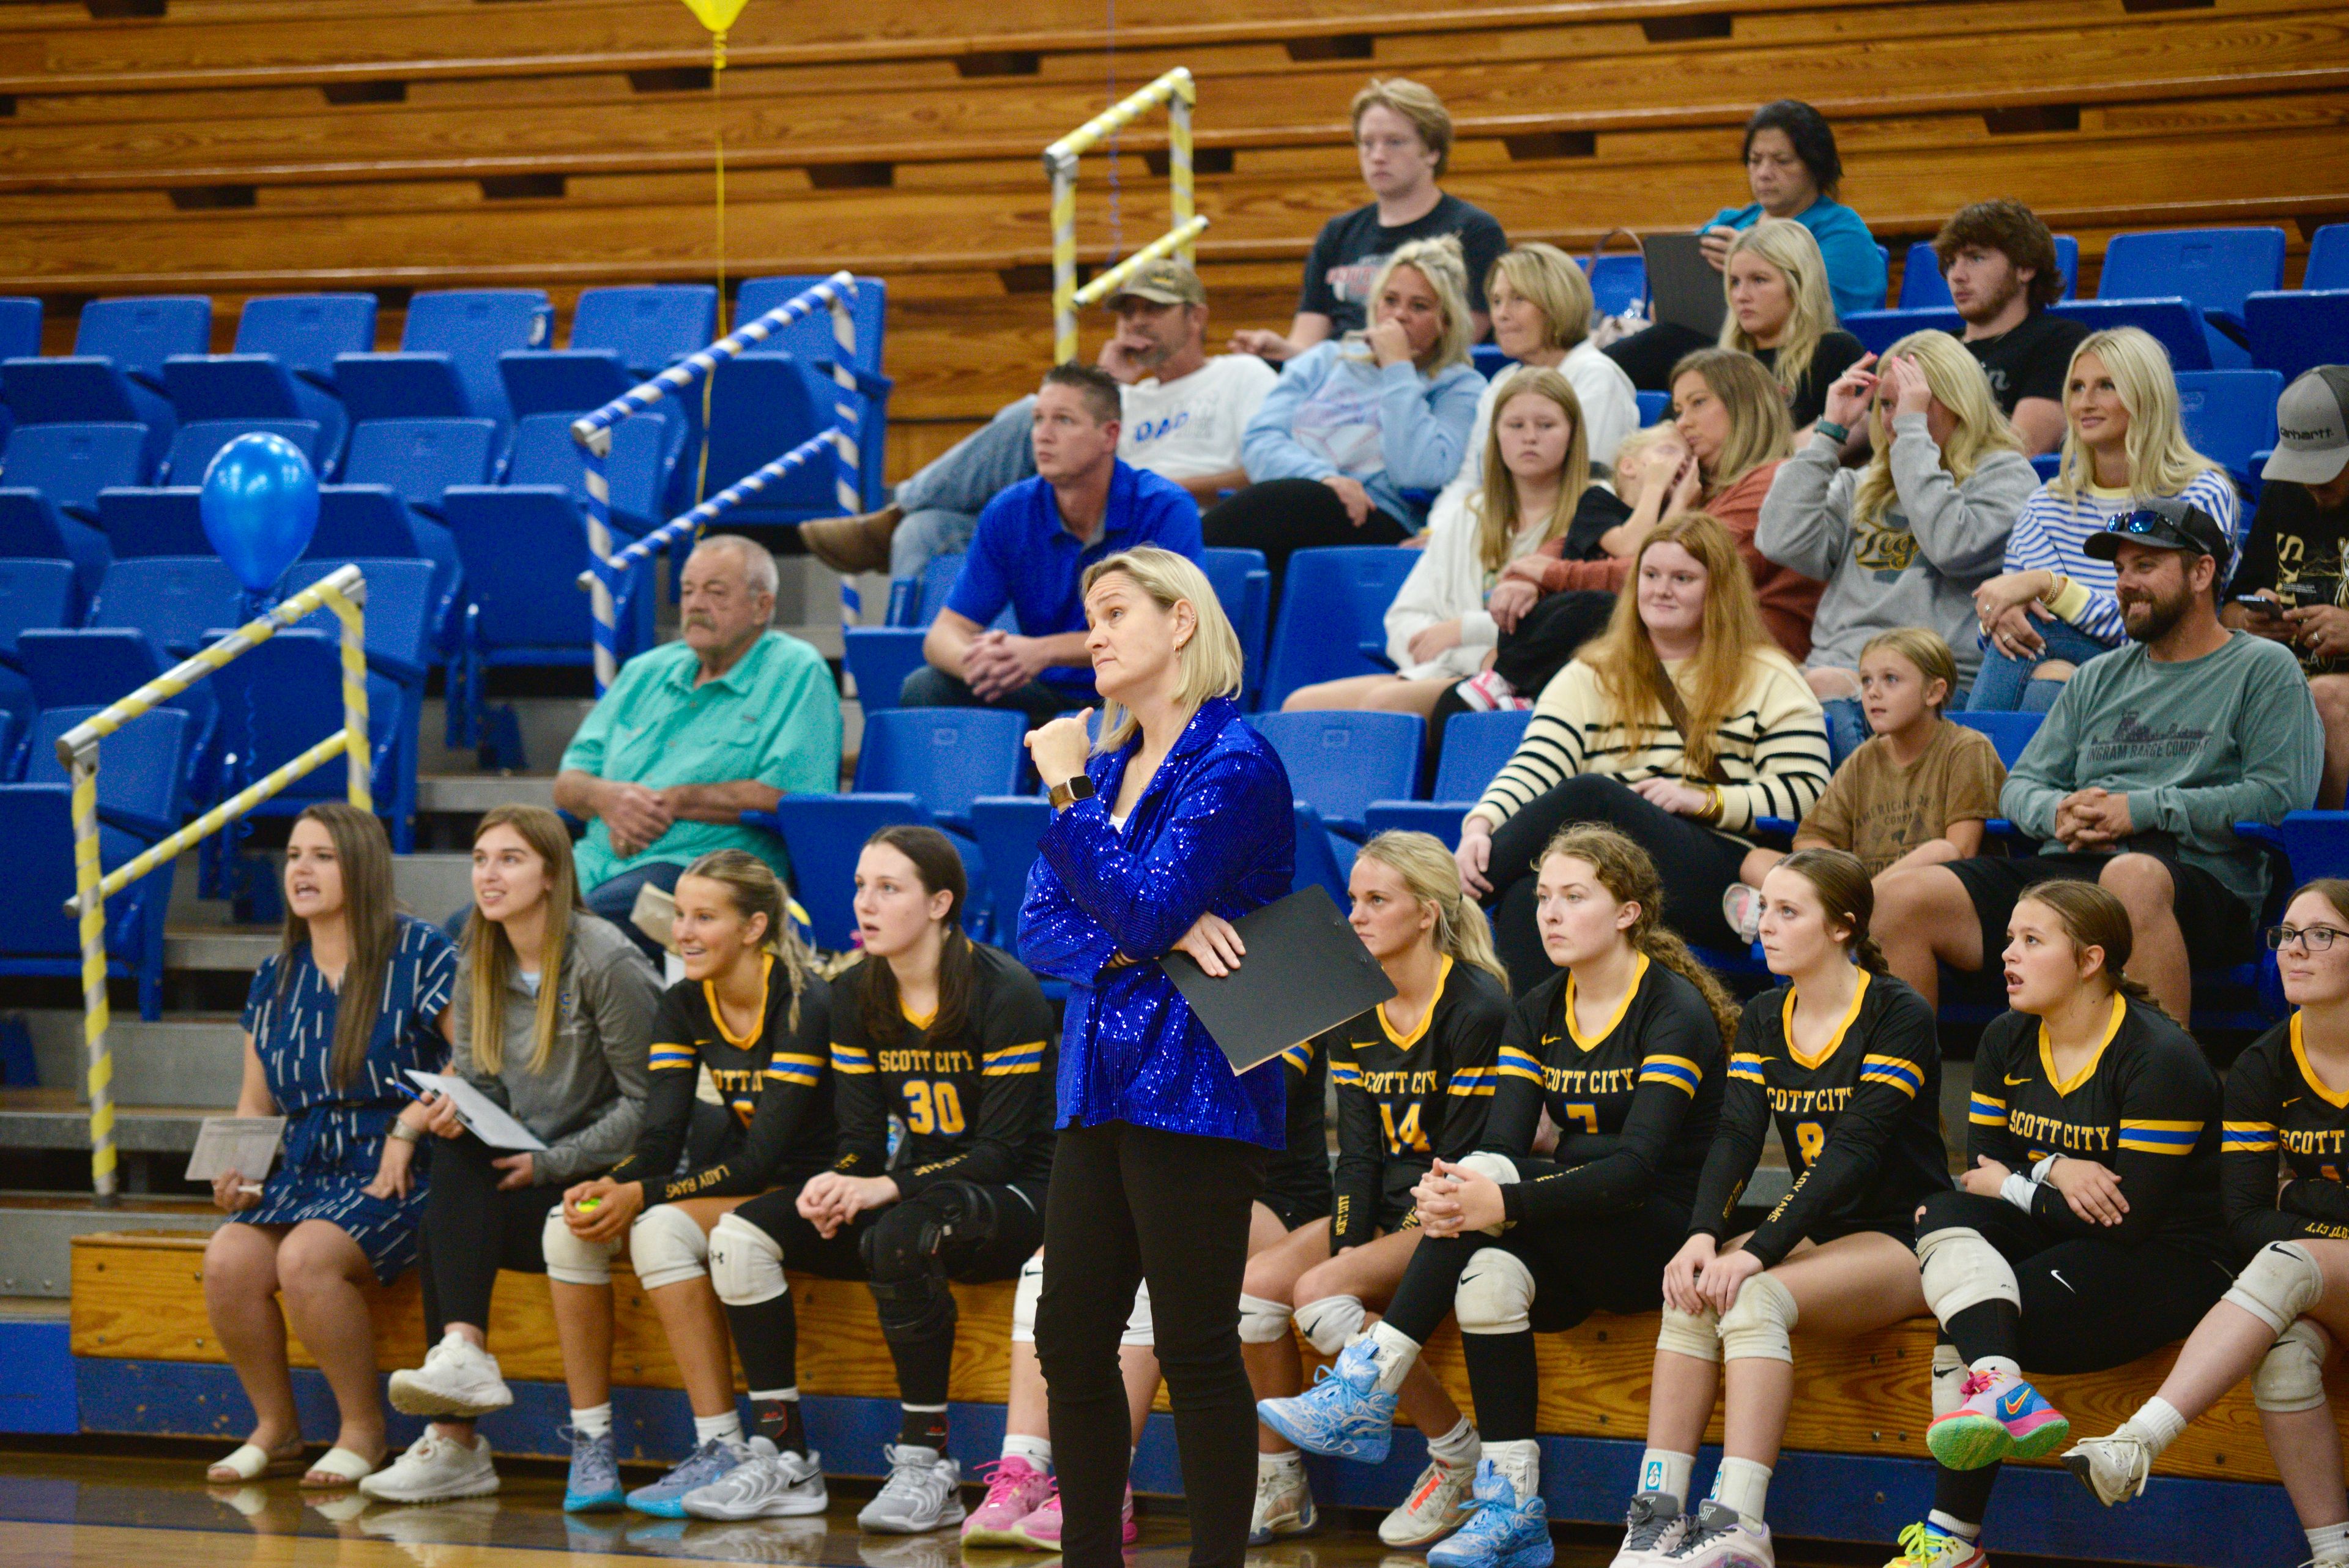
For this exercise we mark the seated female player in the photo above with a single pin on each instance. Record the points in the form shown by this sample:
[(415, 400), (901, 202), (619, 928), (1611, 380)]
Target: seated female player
[(1845, 1060), (1414, 1078), (1630, 1066), (951, 1037), (2088, 1231), (2288, 1099), (752, 1010)]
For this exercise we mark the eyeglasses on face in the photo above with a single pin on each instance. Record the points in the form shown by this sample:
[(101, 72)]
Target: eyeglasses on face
[(2315, 939)]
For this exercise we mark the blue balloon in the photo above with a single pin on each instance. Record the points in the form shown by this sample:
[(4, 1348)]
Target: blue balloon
[(260, 506)]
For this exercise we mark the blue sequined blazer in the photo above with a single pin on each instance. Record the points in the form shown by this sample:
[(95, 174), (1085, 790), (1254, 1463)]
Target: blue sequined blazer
[(1216, 830)]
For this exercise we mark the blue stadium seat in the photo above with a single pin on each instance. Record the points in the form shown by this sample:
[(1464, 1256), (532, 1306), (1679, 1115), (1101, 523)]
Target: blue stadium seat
[(2295, 330), (1008, 828), (283, 698), (2173, 321), (1654, 407), (115, 374), (619, 337), (283, 369), (879, 658), (1475, 747), (20, 326), (158, 520), (174, 599), (93, 666), (1923, 287), (2009, 732), (760, 407), (1243, 586), (1880, 329), (2214, 270), (1338, 763), (1335, 600), (643, 457), (389, 504), (447, 367), (2328, 258), (810, 340), (2230, 414), (1617, 282), (35, 596), (195, 444), (1488, 361), (51, 476)]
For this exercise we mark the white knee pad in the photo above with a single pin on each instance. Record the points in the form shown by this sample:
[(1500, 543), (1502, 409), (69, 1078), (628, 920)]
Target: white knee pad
[(2280, 1282), (1497, 1167), (1962, 1270), (1949, 1380), (1760, 1323), (2291, 1376), (1023, 1299), (1496, 1294), (1139, 1328), (1696, 1335), (666, 1247), (1331, 1323), (746, 1265), (1262, 1321), (571, 1260)]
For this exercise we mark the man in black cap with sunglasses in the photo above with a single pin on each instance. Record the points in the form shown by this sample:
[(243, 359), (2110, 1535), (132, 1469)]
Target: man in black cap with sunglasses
[(2151, 756)]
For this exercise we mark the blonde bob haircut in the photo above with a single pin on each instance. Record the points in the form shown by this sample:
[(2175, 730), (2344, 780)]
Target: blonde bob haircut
[(2162, 461), (1414, 103), (1497, 507), (1210, 659), (1760, 430), (1440, 262), (1788, 247), (1431, 877), (1959, 385), (1553, 281)]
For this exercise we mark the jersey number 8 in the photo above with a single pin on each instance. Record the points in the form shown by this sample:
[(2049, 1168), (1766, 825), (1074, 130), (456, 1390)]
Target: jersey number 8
[(932, 1108), (1810, 1137)]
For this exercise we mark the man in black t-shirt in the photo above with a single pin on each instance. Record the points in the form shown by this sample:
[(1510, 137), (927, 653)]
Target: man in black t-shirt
[(1403, 137), (1999, 263), (2293, 584)]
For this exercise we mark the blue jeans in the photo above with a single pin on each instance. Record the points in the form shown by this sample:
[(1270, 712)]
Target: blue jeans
[(942, 503), (2005, 684)]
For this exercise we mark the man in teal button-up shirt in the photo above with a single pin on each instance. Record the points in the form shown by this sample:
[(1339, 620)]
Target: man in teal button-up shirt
[(695, 732)]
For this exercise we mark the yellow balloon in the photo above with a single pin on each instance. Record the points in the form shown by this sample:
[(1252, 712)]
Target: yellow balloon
[(717, 15)]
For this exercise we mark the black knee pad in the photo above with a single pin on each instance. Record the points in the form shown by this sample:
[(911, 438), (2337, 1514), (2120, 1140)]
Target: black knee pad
[(904, 1264)]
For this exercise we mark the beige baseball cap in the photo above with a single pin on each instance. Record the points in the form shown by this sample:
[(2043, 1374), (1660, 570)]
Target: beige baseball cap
[(2311, 428), (1169, 280)]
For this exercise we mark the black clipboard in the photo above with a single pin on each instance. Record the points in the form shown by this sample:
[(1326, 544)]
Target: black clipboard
[(1305, 971), (1684, 288)]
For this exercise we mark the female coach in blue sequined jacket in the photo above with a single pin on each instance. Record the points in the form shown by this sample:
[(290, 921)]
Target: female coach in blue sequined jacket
[(1180, 822)]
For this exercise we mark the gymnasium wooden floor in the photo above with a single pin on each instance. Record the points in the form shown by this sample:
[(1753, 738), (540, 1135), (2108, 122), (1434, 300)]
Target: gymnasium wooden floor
[(66, 1508)]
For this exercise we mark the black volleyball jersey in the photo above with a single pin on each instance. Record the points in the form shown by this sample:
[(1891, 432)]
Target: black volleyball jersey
[(2146, 1105), (1860, 1120), (1637, 1105), (1297, 1178), (977, 1107), (774, 1082), (1407, 1100), (2277, 1105)]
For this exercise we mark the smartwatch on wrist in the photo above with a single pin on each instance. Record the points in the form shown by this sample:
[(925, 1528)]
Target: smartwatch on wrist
[(1832, 431), (1068, 792)]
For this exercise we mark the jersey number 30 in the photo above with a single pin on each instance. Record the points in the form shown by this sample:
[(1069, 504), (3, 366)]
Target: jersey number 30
[(932, 1108)]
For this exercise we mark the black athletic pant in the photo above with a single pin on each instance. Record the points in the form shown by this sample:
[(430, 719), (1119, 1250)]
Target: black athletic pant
[(1648, 357), (2089, 1304), (471, 1230), (1283, 514), (1696, 862), (1130, 1203)]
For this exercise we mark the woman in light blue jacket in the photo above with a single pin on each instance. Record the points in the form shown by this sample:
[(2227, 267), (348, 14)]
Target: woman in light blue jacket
[(1355, 424)]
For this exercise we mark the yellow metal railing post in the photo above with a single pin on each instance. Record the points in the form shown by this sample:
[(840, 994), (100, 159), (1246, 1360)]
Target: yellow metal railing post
[(95, 1010), (356, 748), (1178, 93)]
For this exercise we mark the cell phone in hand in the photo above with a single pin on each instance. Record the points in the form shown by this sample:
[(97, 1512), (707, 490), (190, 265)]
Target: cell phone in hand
[(2260, 605)]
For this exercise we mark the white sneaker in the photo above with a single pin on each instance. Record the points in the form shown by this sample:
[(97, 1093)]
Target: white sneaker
[(924, 1492), (770, 1484), (1284, 1506), (1741, 905), (458, 1381), (1653, 1528), (435, 1468), (1432, 1509), (2115, 1468), (1722, 1539)]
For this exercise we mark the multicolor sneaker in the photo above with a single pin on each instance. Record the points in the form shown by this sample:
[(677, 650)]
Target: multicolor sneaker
[(1433, 1508), (665, 1498), (1343, 1414), (1042, 1529), (2115, 1468), (1502, 1533), (1015, 1489), (2001, 1418), (1653, 1526), (1485, 691), (595, 1483), (1284, 1505), (1721, 1538), (1923, 1546), (1741, 905)]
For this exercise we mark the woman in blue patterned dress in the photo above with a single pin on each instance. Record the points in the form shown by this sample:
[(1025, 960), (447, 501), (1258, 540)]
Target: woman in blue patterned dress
[(343, 1205)]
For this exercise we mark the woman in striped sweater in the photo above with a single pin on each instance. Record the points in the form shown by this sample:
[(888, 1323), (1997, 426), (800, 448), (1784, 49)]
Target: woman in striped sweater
[(2054, 609), (1680, 725)]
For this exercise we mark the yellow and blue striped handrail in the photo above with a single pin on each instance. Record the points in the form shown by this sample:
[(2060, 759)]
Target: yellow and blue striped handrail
[(1178, 92)]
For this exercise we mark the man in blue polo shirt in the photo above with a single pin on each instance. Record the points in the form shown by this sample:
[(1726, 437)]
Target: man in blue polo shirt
[(1032, 545)]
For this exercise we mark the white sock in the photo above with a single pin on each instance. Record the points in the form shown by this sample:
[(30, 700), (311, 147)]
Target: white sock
[(1457, 1447), (1949, 1378), (1289, 1463), (2004, 1367), (1660, 1469), (596, 1421), (1745, 1486), (1520, 1460), (2157, 1425), (1037, 1451), (726, 1429), (1396, 1354), (1950, 1526), (2328, 1544)]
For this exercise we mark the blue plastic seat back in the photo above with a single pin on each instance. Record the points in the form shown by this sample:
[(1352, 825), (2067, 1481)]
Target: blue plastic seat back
[(34, 594), (36, 822), (1654, 407), (1923, 287), (20, 326), (421, 458), (1879, 329), (939, 578), (644, 453), (1617, 282), (396, 621), (174, 599), (305, 331), (2230, 414), (524, 548), (1243, 586), (71, 464), (138, 766), (1007, 828), (1341, 762), (2173, 320), (473, 327), (1334, 600), (194, 446), (811, 336), (283, 698), (2328, 258), (946, 756), (1476, 746), (139, 333), (2295, 330), (761, 406), (2215, 268), (649, 326), (2010, 733)]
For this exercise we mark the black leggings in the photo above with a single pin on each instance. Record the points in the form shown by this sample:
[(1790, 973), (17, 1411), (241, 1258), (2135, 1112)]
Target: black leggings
[(1695, 863), (1648, 357), (2089, 1304), (1283, 514), (1130, 1203), (471, 1230)]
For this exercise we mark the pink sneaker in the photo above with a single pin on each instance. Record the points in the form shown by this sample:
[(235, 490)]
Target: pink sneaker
[(1015, 1489), (2001, 1418), (1042, 1529), (1486, 692)]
